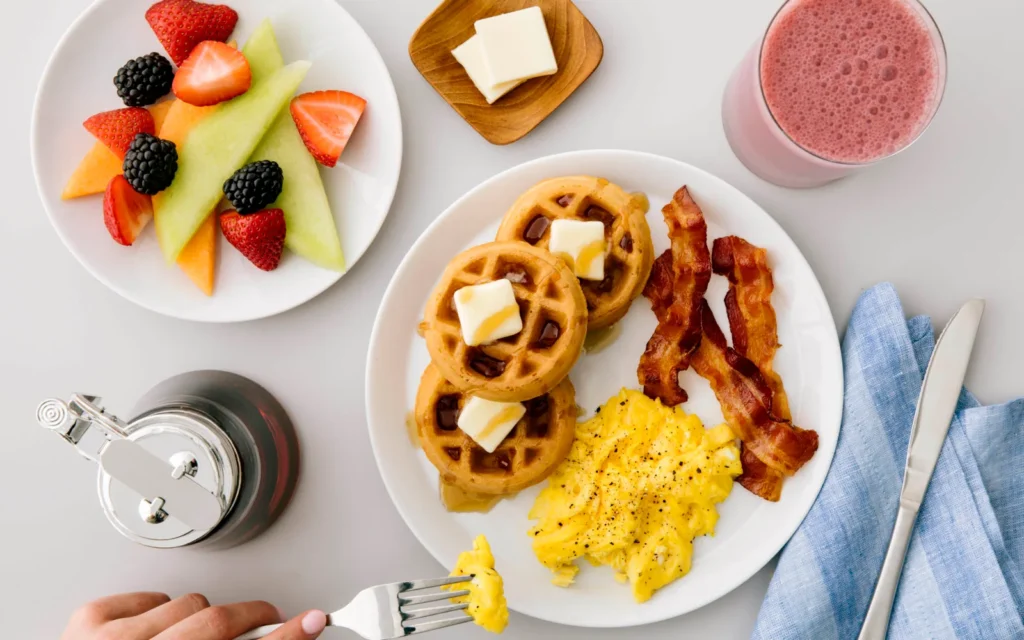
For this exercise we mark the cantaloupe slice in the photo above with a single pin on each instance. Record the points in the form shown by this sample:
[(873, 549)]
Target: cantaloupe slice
[(94, 172), (182, 118), (199, 257), (159, 113)]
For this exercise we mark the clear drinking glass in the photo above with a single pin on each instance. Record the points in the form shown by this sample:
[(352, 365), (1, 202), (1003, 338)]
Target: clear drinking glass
[(787, 158)]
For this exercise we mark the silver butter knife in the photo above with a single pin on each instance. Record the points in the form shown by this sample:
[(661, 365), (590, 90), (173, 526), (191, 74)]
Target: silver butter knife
[(939, 394)]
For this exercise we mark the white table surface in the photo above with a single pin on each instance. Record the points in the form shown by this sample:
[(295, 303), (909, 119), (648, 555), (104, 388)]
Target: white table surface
[(943, 221)]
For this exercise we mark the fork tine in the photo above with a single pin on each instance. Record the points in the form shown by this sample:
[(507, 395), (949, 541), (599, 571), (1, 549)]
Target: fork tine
[(426, 612), (432, 597), (435, 624), (416, 585)]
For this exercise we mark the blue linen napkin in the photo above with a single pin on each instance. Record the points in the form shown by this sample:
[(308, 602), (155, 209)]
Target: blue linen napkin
[(962, 578)]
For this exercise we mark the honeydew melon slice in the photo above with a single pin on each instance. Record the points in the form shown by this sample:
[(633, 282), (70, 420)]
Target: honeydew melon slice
[(216, 148), (262, 52), (312, 233)]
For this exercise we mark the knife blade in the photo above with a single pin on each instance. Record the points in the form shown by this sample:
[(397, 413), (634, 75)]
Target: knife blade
[(940, 392)]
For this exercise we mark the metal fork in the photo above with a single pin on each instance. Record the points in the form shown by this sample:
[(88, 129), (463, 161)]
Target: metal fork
[(388, 611)]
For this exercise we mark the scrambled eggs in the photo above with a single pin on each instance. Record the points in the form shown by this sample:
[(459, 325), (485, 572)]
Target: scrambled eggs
[(641, 482), (486, 591)]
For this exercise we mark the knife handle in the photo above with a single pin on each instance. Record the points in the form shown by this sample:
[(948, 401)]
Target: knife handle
[(876, 622)]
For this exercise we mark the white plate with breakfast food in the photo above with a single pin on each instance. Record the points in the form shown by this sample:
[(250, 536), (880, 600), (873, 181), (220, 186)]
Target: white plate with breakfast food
[(553, 267), (283, 112)]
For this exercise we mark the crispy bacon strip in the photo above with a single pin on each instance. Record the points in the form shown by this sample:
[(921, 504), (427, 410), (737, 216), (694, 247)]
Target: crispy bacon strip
[(772, 447), (751, 315), (676, 288), (754, 335)]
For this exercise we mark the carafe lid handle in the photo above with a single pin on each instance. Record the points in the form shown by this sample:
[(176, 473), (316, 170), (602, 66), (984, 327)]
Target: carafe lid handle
[(166, 488)]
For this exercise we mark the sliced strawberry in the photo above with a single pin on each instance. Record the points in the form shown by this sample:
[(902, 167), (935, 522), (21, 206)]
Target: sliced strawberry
[(126, 212), (258, 236), (118, 128), (180, 25), (213, 73), (325, 120)]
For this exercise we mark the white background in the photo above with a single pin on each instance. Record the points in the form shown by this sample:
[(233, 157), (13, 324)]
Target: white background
[(943, 221)]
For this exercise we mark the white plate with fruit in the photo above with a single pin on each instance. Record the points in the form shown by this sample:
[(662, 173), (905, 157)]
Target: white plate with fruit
[(195, 229)]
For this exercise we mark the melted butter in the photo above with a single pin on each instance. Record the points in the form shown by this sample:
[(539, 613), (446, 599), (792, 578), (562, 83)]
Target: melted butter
[(567, 259), (457, 500), (504, 416), (602, 182), (588, 254), (639, 202), (599, 340), (492, 322), (413, 429)]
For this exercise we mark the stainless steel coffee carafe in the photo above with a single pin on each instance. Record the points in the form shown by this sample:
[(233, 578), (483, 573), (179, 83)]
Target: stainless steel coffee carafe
[(210, 458)]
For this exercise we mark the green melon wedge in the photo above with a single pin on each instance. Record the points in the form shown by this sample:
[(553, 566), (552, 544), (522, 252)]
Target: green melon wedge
[(262, 52), (216, 148), (312, 233)]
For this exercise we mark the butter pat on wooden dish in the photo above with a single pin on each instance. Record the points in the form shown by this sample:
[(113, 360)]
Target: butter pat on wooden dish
[(470, 55), (516, 45), (506, 51)]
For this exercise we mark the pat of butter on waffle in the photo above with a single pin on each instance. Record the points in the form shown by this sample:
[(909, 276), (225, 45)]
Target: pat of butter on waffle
[(583, 245), (487, 312), (488, 422)]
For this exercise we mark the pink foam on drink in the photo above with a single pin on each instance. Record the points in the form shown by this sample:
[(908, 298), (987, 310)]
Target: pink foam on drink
[(850, 80)]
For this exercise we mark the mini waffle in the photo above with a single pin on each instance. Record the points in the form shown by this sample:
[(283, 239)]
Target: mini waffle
[(630, 252), (533, 361), (531, 451)]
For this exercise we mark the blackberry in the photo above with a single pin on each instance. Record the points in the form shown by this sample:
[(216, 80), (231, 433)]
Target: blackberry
[(144, 80), (150, 164), (254, 186)]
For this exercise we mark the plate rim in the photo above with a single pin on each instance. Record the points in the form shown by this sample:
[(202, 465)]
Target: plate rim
[(270, 310), (391, 291)]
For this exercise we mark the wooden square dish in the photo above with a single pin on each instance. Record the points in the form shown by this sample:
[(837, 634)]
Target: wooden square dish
[(578, 51)]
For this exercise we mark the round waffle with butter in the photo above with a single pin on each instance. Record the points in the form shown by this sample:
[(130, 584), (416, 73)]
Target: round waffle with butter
[(538, 443), (629, 249), (522, 366)]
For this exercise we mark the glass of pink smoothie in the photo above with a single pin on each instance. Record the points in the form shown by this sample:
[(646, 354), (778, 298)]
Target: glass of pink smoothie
[(834, 86)]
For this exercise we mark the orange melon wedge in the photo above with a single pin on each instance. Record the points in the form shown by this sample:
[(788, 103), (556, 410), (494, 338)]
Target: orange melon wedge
[(181, 117), (199, 257), (159, 113), (93, 173), (101, 164)]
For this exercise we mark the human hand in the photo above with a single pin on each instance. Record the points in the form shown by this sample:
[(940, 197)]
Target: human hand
[(154, 616)]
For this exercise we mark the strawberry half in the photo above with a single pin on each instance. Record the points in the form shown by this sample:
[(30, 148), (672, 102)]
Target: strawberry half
[(116, 129), (213, 73), (258, 236), (325, 120), (126, 212), (180, 25)]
